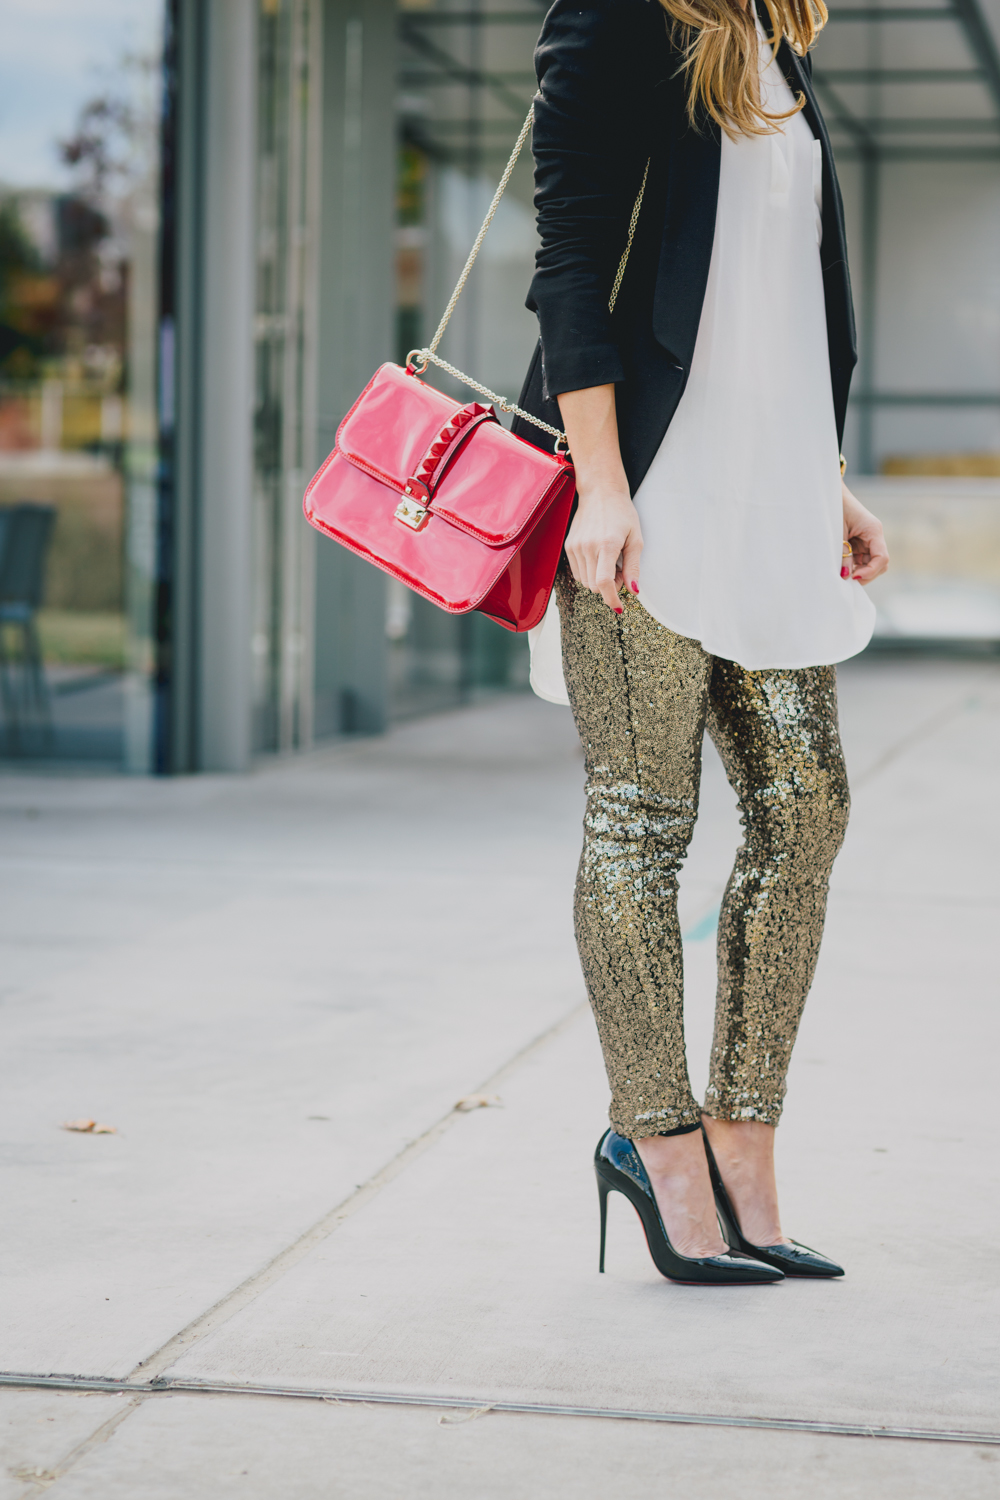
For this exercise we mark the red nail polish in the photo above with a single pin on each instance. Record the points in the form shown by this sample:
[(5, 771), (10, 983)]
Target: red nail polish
[(634, 586), (845, 572), (619, 610)]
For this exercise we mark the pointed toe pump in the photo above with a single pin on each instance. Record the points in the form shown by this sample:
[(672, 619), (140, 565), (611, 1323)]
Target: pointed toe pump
[(619, 1169), (792, 1258)]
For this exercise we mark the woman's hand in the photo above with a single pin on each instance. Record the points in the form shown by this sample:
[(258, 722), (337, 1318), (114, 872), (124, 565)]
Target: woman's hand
[(604, 544), (863, 533)]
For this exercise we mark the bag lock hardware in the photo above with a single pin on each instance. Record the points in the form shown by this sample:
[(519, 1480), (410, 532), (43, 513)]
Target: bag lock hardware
[(413, 509)]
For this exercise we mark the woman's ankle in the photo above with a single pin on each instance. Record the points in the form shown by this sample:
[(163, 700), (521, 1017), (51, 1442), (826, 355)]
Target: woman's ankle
[(677, 1168), (744, 1154), (747, 1143)]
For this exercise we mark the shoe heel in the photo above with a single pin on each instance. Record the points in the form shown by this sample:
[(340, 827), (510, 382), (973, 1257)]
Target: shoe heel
[(602, 1192)]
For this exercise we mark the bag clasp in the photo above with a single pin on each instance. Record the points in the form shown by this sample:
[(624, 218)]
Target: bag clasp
[(412, 509)]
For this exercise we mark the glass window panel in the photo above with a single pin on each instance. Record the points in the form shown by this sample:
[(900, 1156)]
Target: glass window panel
[(79, 225), (284, 418), (465, 82)]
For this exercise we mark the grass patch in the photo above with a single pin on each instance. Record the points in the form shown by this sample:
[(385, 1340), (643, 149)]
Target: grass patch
[(73, 637)]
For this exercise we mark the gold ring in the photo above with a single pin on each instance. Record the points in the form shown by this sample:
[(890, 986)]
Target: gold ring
[(848, 550)]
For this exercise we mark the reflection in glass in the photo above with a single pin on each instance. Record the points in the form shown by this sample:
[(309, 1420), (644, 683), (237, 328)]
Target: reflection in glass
[(78, 307), (466, 81), (284, 418)]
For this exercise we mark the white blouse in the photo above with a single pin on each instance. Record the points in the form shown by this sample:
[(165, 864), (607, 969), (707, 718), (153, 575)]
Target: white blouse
[(741, 508)]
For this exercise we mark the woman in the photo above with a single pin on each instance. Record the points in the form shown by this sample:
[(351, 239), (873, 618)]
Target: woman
[(713, 567)]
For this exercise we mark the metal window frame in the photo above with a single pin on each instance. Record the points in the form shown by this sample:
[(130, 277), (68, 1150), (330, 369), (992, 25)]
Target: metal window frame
[(867, 140), (873, 140)]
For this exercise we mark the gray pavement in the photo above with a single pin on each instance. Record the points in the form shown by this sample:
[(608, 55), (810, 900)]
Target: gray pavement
[(277, 987)]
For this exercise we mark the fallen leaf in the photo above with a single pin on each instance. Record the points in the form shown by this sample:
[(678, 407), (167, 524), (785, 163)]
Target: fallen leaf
[(105, 1130), (467, 1416), (90, 1127), (79, 1124), (479, 1101)]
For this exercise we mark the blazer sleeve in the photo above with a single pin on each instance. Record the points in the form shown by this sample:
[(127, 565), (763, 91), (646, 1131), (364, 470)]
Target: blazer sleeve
[(590, 146)]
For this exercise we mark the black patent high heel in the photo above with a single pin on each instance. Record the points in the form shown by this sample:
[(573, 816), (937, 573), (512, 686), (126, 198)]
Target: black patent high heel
[(619, 1169), (794, 1259)]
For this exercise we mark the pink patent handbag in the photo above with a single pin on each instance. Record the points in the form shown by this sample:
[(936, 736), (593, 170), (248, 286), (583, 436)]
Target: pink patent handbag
[(445, 499), (441, 495)]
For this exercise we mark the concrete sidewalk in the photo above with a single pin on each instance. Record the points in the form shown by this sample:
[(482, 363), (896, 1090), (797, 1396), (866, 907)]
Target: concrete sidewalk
[(277, 987)]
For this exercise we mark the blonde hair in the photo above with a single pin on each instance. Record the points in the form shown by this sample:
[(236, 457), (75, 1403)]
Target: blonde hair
[(719, 43)]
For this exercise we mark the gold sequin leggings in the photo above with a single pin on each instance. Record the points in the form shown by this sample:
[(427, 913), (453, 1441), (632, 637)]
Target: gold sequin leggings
[(642, 697)]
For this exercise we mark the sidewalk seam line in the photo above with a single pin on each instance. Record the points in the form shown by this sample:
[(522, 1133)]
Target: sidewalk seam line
[(181, 1387), (100, 1435), (247, 1290), (251, 1287)]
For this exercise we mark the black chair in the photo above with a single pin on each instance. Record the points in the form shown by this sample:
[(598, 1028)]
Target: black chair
[(25, 533)]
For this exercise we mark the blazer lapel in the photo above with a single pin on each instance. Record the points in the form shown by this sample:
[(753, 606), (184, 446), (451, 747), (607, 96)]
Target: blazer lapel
[(841, 332), (834, 247), (798, 80), (688, 234)]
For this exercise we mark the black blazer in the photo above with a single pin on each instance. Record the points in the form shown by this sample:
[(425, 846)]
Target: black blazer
[(611, 95)]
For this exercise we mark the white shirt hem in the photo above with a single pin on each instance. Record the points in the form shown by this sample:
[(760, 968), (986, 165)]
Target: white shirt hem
[(830, 658)]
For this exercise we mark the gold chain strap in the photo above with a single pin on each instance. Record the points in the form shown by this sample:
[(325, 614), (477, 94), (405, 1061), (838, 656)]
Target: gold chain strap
[(508, 169), (628, 243), (435, 359), (420, 358)]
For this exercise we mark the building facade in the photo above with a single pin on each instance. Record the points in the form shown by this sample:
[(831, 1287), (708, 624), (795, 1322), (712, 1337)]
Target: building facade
[(226, 213)]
